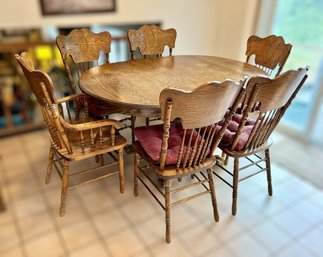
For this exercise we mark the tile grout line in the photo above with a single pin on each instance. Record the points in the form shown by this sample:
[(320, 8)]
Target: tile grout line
[(48, 206), (124, 215), (291, 238), (294, 239), (21, 242), (93, 225)]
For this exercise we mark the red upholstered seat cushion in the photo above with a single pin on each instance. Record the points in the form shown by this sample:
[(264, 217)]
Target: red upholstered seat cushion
[(150, 138), (232, 128)]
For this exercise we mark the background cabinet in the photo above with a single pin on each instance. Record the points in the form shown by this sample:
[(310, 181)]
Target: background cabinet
[(18, 108)]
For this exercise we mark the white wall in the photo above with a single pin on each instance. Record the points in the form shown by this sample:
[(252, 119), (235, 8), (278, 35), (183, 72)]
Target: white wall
[(211, 27)]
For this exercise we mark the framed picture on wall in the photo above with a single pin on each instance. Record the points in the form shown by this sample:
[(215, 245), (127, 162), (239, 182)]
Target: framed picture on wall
[(67, 7)]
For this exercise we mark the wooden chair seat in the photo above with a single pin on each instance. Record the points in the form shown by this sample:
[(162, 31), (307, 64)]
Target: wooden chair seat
[(232, 129), (151, 137), (170, 171), (90, 151)]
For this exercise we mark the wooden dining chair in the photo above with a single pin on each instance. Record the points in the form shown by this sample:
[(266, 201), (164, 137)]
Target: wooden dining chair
[(150, 41), (74, 141), (184, 144), (80, 51), (270, 53), (248, 134)]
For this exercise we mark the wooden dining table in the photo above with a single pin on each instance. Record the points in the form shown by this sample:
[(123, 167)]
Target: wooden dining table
[(133, 87)]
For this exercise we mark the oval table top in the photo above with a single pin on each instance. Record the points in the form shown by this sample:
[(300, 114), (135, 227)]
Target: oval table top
[(133, 87)]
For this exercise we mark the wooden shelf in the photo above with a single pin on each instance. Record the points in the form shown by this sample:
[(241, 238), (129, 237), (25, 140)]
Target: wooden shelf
[(15, 99)]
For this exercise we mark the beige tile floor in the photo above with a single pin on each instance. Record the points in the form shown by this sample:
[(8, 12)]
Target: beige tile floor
[(102, 222)]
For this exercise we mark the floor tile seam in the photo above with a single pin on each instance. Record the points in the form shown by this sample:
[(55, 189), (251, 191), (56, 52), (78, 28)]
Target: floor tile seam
[(307, 197), (298, 175), (93, 225), (277, 227), (250, 232), (295, 239), (289, 244), (56, 226), (236, 235), (184, 243), (21, 242), (87, 244), (31, 213), (48, 205), (286, 207), (291, 205), (226, 247), (132, 225), (10, 249), (35, 237)]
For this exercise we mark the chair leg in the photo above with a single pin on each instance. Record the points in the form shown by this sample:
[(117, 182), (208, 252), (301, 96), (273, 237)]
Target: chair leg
[(121, 172), (64, 188), (50, 165), (226, 160), (268, 169), (133, 123), (235, 186), (2, 205), (136, 174), (167, 210), (147, 121), (213, 195), (101, 158)]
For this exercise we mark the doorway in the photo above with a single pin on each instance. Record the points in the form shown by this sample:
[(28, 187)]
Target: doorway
[(300, 22)]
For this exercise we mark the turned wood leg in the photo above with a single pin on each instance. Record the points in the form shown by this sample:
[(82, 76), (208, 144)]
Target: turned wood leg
[(64, 188), (235, 186), (226, 160), (270, 189), (136, 174), (101, 157), (167, 210), (2, 205), (121, 172), (213, 196), (50, 165), (133, 123)]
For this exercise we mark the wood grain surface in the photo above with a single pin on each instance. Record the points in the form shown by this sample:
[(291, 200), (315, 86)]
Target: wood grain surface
[(133, 87)]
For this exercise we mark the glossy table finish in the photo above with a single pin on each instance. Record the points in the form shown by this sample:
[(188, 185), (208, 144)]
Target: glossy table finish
[(133, 87)]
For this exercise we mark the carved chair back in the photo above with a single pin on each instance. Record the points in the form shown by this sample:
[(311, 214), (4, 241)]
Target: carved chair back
[(199, 112), (269, 52), (151, 40), (266, 102), (62, 135), (80, 50)]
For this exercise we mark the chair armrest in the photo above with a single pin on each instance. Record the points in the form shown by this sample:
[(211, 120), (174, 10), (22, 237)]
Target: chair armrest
[(69, 98), (91, 124)]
